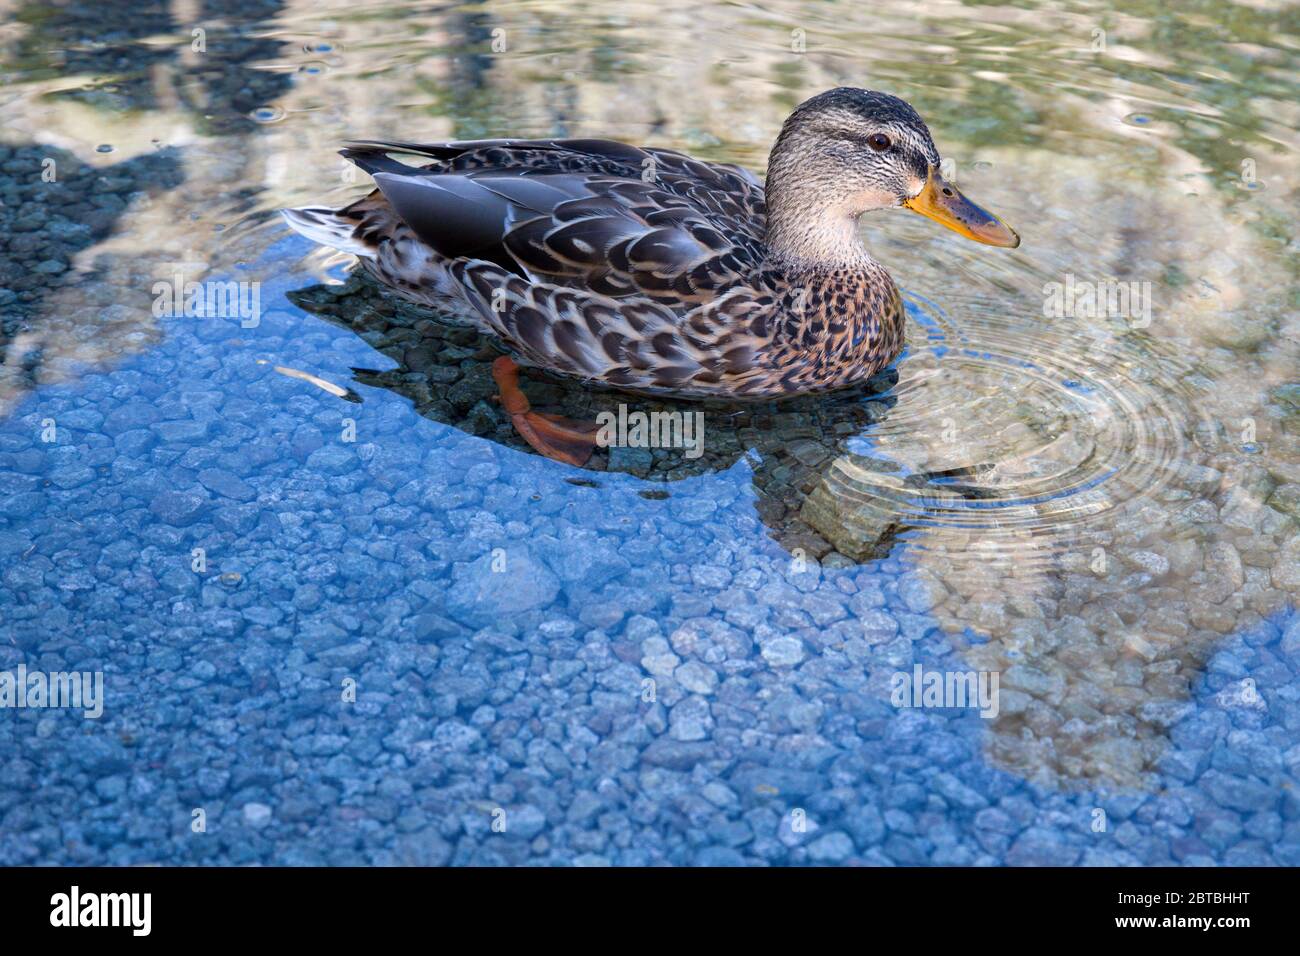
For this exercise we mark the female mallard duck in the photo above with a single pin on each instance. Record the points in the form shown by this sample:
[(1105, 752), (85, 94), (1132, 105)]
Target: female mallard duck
[(649, 271)]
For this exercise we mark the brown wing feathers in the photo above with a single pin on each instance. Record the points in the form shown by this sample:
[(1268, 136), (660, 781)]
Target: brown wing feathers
[(589, 257)]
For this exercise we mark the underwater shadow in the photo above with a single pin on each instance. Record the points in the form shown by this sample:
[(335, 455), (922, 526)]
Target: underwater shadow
[(444, 371)]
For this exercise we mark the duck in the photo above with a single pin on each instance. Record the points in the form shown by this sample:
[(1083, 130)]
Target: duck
[(645, 270)]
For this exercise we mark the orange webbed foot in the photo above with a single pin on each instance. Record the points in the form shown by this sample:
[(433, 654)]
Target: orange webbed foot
[(554, 436)]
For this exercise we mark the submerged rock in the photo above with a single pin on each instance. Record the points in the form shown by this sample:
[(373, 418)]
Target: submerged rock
[(510, 581)]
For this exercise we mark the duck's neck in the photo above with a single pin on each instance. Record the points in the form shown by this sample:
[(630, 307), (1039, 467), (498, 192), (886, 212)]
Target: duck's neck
[(810, 223)]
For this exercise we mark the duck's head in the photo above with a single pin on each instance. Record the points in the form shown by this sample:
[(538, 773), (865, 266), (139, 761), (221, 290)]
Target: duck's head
[(849, 151)]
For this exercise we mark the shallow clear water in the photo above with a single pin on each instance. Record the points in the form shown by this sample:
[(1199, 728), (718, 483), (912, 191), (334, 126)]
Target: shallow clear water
[(401, 627)]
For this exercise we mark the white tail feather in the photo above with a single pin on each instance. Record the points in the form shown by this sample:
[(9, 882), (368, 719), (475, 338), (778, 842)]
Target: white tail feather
[(324, 226)]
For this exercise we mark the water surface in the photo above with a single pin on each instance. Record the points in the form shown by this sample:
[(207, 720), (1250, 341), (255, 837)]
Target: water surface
[(401, 626)]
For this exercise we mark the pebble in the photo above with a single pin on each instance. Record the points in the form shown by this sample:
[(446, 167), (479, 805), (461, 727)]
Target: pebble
[(878, 626), (179, 508), (697, 678), (257, 815), (690, 719), (507, 581), (919, 594), (833, 847), (1153, 564), (783, 651)]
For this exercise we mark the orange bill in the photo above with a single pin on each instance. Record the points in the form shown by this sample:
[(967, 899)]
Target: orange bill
[(945, 204)]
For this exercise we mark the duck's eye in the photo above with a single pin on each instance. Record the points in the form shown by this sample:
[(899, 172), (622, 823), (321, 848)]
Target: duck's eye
[(879, 142)]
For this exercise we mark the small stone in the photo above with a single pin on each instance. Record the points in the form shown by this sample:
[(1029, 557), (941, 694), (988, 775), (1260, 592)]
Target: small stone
[(178, 508), (719, 856), (133, 415), (226, 484), (1224, 573), (690, 719), (920, 594), (783, 651), (524, 822), (422, 848), (878, 626), (1245, 794), (205, 671), (835, 847), (333, 460), (658, 658), (697, 678), (1153, 564), (1038, 846), (1291, 638), (1286, 570), (257, 815), (505, 582)]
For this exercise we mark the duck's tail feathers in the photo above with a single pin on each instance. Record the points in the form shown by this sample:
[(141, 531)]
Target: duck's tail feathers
[(333, 228)]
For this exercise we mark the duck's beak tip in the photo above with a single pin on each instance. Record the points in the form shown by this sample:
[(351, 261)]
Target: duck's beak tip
[(944, 203)]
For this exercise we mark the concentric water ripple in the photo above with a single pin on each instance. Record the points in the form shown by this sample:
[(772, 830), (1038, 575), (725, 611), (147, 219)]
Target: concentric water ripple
[(1010, 433)]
